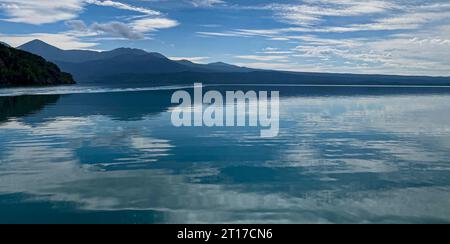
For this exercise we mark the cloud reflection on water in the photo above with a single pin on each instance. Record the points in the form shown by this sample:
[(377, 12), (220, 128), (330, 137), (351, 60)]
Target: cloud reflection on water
[(337, 159)]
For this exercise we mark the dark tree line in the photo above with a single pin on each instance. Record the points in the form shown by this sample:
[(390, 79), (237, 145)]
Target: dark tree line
[(19, 68)]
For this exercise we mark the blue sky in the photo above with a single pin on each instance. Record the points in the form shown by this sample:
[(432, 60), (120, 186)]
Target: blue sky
[(371, 36)]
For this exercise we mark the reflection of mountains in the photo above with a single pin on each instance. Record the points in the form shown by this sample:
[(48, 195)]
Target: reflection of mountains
[(135, 105), (120, 106), (20, 106)]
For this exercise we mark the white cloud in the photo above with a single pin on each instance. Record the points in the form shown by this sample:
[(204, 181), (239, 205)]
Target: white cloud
[(46, 11), (354, 16), (123, 6), (272, 51), (219, 34), (408, 21), (117, 29), (420, 53), (40, 12), (263, 57), (152, 24), (134, 30), (50, 11), (312, 12), (206, 3), (394, 37)]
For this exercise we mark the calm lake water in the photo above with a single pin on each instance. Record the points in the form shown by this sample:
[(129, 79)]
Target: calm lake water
[(344, 155)]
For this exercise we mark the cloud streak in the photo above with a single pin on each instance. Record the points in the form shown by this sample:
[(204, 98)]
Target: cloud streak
[(314, 11), (206, 3), (123, 6), (135, 30), (392, 37), (50, 11), (40, 12)]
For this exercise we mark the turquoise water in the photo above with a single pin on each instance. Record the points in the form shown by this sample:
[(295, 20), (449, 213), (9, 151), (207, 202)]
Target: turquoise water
[(344, 155)]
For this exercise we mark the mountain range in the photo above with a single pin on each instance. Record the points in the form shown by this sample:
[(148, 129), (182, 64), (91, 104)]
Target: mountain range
[(86, 65), (126, 65)]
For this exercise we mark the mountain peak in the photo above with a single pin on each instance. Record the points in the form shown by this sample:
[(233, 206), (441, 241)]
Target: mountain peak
[(129, 50), (38, 41), (37, 44), (134, 51)]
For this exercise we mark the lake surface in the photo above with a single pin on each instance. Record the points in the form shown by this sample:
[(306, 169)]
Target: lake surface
[(343, 155)]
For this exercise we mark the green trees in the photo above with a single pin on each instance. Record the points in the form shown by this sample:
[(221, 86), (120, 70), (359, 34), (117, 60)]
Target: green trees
[(20, 68)]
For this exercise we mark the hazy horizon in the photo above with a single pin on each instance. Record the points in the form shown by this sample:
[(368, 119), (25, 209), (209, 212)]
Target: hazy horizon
[(363, 37)]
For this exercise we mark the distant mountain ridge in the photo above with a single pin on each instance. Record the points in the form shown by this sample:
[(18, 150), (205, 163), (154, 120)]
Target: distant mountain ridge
[(85, 64), (126, 64), (21, 68), (78, 56)]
